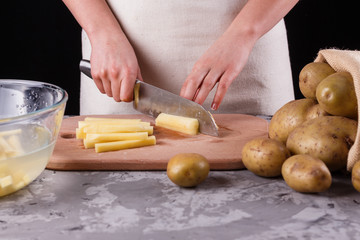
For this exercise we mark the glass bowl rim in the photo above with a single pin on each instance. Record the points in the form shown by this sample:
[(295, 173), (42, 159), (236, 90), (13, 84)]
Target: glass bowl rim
[(37, 112)]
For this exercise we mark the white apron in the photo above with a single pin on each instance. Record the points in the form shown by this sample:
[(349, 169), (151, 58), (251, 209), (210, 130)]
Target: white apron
[(169, 36)]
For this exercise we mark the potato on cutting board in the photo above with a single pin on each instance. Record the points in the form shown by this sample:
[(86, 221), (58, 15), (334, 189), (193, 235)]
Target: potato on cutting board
[(178, 123), (112, 134)]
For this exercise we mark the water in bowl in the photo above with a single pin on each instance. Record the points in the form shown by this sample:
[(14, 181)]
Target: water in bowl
[(24, 153)]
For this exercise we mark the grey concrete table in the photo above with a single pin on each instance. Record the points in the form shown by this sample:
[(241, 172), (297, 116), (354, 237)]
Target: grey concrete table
[(146, 205)]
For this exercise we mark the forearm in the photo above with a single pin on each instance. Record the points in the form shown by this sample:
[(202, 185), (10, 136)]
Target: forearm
[(258, 17), (96, 18)]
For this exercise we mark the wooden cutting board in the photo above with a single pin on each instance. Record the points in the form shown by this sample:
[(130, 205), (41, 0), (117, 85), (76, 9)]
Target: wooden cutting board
[(223, 152)]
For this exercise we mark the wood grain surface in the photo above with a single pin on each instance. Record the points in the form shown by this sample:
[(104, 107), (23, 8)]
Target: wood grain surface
[(223, 152)]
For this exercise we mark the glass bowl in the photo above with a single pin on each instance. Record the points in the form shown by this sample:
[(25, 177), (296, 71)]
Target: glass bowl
[(30, 118)]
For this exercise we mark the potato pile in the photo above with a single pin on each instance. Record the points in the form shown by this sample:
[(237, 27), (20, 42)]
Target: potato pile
[(311, 137)]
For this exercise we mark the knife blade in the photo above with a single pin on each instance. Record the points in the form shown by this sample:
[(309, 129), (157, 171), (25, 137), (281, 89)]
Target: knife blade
[(152, 101)]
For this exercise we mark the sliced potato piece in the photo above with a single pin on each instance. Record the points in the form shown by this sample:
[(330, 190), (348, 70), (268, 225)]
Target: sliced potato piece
[(119, 145), (15, 143), (10, 132), (6, 181), (178, 123), (92, 138), (120, 120), (118, 129)]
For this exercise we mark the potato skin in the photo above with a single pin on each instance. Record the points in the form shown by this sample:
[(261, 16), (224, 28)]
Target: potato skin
[(355, 176), (311, 75), (188, 169), (288, 117), (315, 112), (306, 174), (264, 157), (328, 138)]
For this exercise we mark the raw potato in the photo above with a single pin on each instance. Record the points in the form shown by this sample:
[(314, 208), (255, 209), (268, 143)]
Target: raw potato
[(188, 169), (306, 174), (112, 134), (288, 117), (311, 75), (264, 156), (126, 144), (328, 138), (177, 123), (315, 112), (355, 176), (336, 95), (92, 138)]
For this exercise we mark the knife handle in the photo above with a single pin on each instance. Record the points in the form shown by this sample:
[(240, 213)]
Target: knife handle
[(85, 67)]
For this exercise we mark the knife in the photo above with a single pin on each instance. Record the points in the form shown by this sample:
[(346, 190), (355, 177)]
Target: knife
[(152, 101)]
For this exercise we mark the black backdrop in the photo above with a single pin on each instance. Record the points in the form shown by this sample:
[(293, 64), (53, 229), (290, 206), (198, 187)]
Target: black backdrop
[(40, 40)]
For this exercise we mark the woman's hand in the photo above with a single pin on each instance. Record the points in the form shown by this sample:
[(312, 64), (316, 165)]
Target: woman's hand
[(226, 58), (220, 64), (114, 67)]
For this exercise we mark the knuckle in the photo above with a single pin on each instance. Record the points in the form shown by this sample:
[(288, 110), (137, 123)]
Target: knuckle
[(114, 72), (207, 85)]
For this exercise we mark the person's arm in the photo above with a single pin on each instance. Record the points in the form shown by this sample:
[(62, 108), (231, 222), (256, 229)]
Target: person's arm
[(225, 59), (114, 66)]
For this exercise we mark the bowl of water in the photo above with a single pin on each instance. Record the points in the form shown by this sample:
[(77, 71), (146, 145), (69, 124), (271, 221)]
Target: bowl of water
[(30, 118)]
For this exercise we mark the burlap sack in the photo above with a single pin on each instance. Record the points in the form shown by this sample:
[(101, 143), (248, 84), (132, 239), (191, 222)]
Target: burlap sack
[(346, 61)]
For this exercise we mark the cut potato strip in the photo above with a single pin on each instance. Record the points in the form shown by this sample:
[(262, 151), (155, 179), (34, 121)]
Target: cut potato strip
[(6, 181), (82, 124), (120, 120), (14, 142), (118, 129), (177, 123), (81, 134), (119, 145), (92, 138), (10, 132)]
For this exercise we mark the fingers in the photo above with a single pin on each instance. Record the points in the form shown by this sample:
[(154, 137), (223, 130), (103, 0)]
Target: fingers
[(116, 82), (193, 82), (198, 85), (223, 85)]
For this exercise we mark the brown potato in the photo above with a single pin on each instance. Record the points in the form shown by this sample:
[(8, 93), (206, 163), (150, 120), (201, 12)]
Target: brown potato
[(315, 112), (264, 156), (328, 138), (311, 75), (188, 169), (336, 95), (355, 176), (306, 174), (288, 117)]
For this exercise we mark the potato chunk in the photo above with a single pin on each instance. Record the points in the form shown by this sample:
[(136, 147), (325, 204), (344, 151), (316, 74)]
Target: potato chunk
[(177, 123)]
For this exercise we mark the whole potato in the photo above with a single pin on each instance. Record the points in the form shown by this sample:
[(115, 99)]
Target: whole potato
[(306, 174), (355, 176), (311, 75), (188, 169), (328, 138), (336, 95), (264, 156), (288, 117)]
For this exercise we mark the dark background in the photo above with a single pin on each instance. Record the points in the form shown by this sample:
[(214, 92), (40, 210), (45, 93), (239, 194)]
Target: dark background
[(40, 40)]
